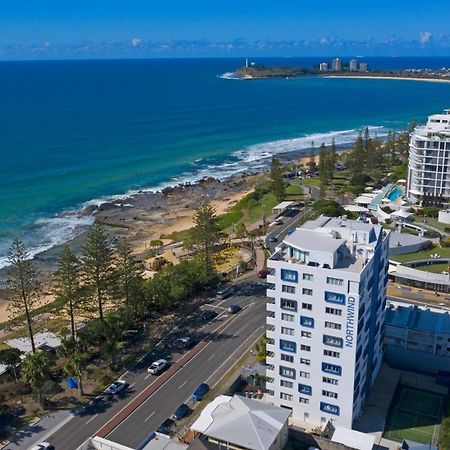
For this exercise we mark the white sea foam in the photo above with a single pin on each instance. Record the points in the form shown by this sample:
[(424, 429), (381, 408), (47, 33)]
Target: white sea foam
[(62, 228)]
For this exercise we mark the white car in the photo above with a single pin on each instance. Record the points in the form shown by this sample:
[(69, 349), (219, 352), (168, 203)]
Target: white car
[(43, 446), (157, 367), (117, 387)]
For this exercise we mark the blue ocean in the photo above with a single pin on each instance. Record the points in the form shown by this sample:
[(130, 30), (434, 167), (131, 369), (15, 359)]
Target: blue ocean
[(75, 133)]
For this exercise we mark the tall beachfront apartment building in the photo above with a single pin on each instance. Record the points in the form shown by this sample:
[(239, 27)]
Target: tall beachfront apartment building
[(429, 162), (325, 319), (336, 65)]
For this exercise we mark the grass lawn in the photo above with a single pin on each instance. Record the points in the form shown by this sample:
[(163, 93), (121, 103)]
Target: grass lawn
[(418, 220), (443, 252), (434, 268), (314, 182), (294, 189), (416, 415)]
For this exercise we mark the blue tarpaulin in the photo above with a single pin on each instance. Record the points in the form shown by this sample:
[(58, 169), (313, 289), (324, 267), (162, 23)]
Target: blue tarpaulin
[(72, 383)]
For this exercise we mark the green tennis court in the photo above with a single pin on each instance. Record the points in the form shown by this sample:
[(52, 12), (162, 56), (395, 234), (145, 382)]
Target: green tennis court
[(415, 415)]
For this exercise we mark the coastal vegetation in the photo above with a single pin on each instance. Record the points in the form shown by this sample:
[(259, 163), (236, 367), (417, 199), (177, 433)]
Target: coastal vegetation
[(261, 71)]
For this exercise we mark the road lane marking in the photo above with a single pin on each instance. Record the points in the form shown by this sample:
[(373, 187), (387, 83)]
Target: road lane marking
[(150, 416), (131, 385), (91, 419), (227, 324), (148, 376), (184, 384), (211, 357)]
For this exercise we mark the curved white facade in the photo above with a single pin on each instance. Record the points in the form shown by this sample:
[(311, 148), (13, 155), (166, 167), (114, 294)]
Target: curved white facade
[(429, 162)]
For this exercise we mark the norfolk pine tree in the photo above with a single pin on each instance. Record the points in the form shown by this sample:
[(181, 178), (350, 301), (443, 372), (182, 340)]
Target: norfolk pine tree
[(98, 268), (128, 273), (66, 287), (22, 285), (276, 174)]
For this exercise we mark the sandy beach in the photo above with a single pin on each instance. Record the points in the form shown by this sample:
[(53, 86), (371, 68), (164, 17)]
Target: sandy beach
[(374, 77)]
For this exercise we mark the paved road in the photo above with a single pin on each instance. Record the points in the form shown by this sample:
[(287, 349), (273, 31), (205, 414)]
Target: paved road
[(290, 221), (208, 365)]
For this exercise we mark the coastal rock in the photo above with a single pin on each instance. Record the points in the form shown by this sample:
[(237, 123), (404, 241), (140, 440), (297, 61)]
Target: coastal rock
[(88, 210)]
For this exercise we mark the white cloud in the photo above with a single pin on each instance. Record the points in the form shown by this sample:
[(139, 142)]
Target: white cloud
[(424, 37), (136, 42), (323, 41), (46, 44)]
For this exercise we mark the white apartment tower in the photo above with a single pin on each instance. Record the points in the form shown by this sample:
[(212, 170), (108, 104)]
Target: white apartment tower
[(353, 65), (325, 319), (429, 162), (337, 65)]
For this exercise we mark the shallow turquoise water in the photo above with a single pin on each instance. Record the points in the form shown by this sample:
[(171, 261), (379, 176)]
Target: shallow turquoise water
[(73, 132)]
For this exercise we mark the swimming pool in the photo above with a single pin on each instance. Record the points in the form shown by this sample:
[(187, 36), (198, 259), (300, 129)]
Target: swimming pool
[(395, 194)]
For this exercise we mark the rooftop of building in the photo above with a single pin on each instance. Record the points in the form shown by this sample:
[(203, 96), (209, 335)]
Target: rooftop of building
[(437, 124), (243, 422), (335, 243), (418, 318)]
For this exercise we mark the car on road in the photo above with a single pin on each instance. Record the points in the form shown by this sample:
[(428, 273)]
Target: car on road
[(272, 239), (223, 293), (277, 222), (180, 412), (208, 315), (290, 231), (158, 366), (234, 308), (165, 427), (43, 446), (200, 392), (262, 273), (184, 342), (117, 387)]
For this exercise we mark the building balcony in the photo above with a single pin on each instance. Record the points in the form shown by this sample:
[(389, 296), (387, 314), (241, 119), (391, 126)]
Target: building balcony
[(271, 347), (271, 279), (270, 358), (270, 333), (271, 307)]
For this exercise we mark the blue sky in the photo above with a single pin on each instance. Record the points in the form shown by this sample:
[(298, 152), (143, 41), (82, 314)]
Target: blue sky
[(32, 28)]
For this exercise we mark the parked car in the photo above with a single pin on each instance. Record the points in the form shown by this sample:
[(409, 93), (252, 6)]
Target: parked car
[(290, 231), (234, 308), (180, 412), (277, 222), (200, 392), (208, 315), (43, 446), (117, 387), (165, 427), (262, 273), (223, 293), (184, 342), (273, 238), (158, 366)]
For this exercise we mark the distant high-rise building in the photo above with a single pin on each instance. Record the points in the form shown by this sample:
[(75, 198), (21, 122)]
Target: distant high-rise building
[(429, 160), (363, 67), (353, 65), (323, 67), (337, 65)]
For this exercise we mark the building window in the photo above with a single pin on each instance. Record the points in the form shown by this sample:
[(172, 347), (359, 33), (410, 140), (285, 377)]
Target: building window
[(334, 297), (288, 346), (286, 384), (306, 334), (335, 281), (331, 353), (288, 289), (305, 348), (333, 341), (287, 358), (304, 374), (291, 305), (333, 325), (330, 380), (307, 306), (300, 255), (289, 275), (288, 331), (329, 408), (308, 276), (287, 317), (331, 369), (306, 291), (287, 372), (307, 321), (304, 389), (335, 311), (329, 394), (306, 362), (303, 400), (285, 396)]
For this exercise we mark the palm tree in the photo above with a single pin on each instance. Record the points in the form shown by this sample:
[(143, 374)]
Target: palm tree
[(36, 371), (76, 360)]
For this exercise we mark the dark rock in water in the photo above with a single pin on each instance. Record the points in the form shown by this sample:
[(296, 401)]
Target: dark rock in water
[(106, 206), (88, 210)]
